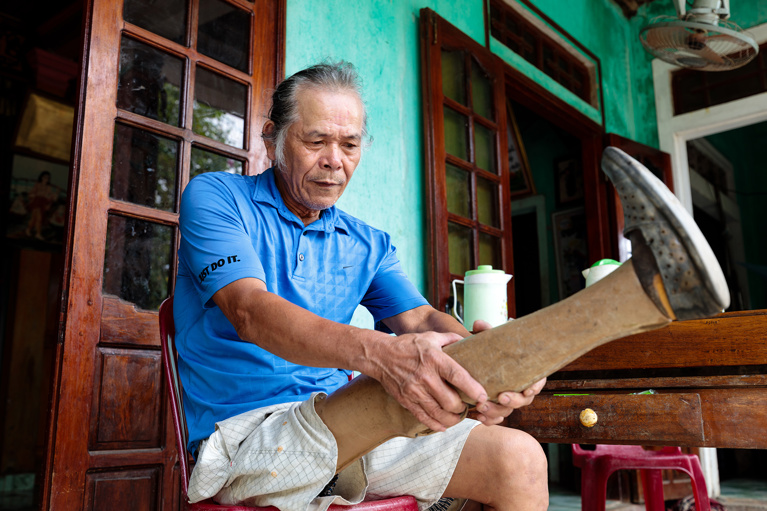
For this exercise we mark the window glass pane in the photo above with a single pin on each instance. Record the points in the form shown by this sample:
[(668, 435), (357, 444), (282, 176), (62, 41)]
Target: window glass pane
[(144, 168), (484, 148), (224, 33), (459, 248), (481, 92), (458, 191), (456, 130), (137, 263), (150, 82), (166, 18), (487, 202), (548, 60), (205, 161), (453, 76), (219, 108), (490, 250)]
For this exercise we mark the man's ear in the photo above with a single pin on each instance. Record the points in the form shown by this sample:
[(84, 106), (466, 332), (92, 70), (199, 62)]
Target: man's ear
[(271, 151)]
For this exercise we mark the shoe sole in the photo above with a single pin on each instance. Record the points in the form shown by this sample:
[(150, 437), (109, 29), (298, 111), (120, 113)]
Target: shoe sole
[(691, 274)]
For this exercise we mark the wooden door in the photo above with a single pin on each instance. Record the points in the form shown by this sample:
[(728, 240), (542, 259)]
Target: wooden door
[(169, 89)]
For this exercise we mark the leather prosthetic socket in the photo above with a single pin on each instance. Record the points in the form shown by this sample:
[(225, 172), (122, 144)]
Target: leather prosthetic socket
[(672, 274)]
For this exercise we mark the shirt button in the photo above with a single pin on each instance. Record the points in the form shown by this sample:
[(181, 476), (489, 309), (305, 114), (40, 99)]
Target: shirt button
[(300, 257)]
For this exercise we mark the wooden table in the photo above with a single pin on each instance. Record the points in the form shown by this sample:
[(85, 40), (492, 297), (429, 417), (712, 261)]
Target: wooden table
[(709, 378)]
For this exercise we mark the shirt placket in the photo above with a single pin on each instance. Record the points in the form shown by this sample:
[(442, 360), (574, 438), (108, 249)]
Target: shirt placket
[(302, 255)]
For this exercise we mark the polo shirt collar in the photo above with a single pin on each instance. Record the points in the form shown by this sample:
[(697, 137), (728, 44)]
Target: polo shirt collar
[(266, 192)]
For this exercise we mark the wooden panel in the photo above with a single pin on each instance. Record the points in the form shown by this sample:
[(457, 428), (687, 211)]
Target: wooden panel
[(731, 418), (128, 410), (730, 339), (122, 323), (664, 382), (649, 419), (134, 489), (735, 418), (24, 367)]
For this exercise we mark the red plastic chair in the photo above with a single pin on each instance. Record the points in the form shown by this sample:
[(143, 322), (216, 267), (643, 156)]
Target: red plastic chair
[(597, 465), (169, 357)]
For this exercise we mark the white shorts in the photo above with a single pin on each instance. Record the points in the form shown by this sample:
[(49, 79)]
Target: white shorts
[(284, 456)]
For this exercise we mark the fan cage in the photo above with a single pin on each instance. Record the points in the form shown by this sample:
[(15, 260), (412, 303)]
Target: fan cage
[(701, 46)]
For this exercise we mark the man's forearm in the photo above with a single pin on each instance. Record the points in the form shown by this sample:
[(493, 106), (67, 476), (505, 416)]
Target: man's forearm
[(440, 322), (425, 319), (295, 334)]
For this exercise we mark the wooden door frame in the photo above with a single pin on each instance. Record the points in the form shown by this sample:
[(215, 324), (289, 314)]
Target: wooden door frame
[(541, 101)]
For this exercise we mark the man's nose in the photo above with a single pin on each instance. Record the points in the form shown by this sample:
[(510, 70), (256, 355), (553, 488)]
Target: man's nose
[(331, 157)]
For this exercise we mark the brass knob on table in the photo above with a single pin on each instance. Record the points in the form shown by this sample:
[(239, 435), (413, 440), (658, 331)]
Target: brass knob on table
[(588, 417)]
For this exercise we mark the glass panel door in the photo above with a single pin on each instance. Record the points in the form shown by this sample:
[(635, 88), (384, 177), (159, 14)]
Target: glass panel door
[(472, 165), (170, 92), (469, 204)]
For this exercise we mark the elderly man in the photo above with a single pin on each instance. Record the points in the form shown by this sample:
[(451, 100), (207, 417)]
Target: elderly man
[(270, 273)]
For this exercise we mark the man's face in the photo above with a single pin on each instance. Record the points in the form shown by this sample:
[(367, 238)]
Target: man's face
[(322, 149)]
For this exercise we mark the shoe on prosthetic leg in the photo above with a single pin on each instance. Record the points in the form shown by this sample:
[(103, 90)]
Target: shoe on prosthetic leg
[(692, 278), (672, 274)]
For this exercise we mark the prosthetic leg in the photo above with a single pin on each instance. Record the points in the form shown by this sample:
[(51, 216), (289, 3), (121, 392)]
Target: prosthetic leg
[(673, 274)]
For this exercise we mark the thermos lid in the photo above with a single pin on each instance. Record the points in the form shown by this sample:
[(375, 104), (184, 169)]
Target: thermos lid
[(604, 262), (484, 269)]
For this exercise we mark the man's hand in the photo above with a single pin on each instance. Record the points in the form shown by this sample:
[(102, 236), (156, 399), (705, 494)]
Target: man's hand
[(421, 377), (414, 369), (490, 413)]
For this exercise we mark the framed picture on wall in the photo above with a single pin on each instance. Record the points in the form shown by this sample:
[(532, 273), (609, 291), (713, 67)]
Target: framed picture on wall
[(520, 179), (571, 249), (45, 127), (38, 202), (568, 179)]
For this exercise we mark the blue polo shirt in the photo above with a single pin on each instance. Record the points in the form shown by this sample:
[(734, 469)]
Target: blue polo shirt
[(234, 227)]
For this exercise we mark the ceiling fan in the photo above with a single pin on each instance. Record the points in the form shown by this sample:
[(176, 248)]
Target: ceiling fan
[(700, 37)]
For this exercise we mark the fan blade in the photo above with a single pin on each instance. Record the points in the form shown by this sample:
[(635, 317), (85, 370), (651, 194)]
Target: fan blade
[(726, 44), (662, 37), (707, 53)]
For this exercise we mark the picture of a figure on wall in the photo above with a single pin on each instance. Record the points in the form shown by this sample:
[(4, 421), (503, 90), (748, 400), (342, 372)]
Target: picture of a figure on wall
[(569, 181), (38, 194), (571, 248)]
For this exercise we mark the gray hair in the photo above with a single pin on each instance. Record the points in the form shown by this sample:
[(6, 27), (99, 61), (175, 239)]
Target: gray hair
[(329, 76)]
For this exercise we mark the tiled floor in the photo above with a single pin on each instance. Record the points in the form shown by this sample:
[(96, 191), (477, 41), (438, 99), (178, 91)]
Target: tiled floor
[(17, 492), (745, 489), (560, 500), (737, 495)]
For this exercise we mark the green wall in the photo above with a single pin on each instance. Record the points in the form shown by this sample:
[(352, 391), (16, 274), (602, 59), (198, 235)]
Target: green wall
[(381, 38)]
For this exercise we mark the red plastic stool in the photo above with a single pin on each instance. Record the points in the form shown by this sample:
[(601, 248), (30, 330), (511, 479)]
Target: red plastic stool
[(597, 465)]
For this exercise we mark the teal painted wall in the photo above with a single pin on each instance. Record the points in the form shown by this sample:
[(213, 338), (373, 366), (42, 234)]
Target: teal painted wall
[(381, 38)]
